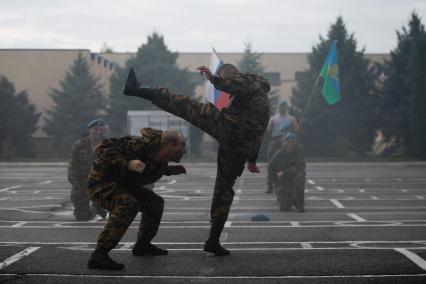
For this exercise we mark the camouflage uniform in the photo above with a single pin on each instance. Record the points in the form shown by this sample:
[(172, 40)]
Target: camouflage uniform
[(291, 186), (82, 158), (114, 187), (238, 128)]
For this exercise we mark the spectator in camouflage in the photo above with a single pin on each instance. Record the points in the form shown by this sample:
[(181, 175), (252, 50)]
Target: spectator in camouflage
[(116, 182), (82, 157), (287, 168), (238, 128)]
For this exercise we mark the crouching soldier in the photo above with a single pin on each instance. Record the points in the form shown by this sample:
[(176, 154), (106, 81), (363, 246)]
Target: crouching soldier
[(287, 167), (116, 182)]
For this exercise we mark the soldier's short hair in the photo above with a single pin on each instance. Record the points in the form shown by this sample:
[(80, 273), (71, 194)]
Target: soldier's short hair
[(171, 136), (228, 67)]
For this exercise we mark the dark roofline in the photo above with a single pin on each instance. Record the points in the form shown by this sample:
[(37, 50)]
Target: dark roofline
[(43, 49)]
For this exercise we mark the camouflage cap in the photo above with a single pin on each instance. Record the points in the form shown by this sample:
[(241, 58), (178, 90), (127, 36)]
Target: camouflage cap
[(151, 138)]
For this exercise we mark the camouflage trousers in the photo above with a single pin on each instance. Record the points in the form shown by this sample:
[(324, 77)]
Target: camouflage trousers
[(208, 118), (80, 199), (274, 145), (124, 204), (291, 190)]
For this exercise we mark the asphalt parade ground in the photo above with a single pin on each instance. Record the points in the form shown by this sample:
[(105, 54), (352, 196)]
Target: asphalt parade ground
[(364, 223)]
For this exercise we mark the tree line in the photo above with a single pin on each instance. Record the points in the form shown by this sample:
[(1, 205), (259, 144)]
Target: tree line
[(382, 104)]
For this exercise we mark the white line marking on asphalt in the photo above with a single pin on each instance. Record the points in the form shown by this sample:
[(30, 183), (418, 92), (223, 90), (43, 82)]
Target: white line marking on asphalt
[(356, 217), (228, 224), (311, 181), (368, 179), (19, 224), (18, 256), (420, 197), (337, 203), (399, 179), (362, 190), (404, 190), (172, 182), (295, 224), (189, 277), (413, 257), (10, 187), (319, 187), (4, 198), (306, 245), (127, 246), (198, 191), (374, 198), (45, 182), (36, 192)]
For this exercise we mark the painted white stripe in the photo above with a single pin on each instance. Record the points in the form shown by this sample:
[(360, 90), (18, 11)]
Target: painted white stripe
[(337, 203), (404, 190), (319, 187), (11, 187), (18, 256), (45, 182), (420, 197), (172, 182), (356, 217), (228, 224), (311, 181), (37, 192), (374, 198), (362, 190), (338, 224), (198, 191), (79, 276), (19, 224), (127, 246), (306, 245), (4, 198), (413, 257)]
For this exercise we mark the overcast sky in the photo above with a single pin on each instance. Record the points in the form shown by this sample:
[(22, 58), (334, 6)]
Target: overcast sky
[(197, 25)]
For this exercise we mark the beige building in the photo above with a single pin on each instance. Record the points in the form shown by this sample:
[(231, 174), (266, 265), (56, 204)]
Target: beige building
[(39, 70)]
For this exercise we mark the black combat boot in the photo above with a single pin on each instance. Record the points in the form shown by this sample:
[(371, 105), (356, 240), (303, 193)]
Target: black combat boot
[(212, 244), (144, 248), (101, 260), (133, 87)]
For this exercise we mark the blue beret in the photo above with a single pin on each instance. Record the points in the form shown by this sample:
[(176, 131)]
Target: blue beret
[(96, 122), (290, 136), (282, 103)]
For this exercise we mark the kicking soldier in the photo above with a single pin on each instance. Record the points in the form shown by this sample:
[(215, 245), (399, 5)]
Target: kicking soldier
[(287, 168), (116, 182), (82, 157), (238, 128)]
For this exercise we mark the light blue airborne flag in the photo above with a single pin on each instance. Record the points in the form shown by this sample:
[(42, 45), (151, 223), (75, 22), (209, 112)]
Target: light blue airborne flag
[(330, 74)]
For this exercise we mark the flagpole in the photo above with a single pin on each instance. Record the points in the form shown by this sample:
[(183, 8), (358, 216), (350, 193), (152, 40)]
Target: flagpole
[(309, 101)]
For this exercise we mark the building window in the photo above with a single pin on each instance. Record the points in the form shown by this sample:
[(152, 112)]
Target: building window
[(274, 78)]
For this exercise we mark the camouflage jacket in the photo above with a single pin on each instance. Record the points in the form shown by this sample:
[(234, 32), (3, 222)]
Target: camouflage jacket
[(114, 155), (82, 158), (247, 115), (289, 159)]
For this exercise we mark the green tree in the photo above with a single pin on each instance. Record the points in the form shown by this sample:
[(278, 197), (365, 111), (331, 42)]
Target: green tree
[(348, 127), (78, 100), (250, 62), (19, 119), (155, 66), (403, 118)]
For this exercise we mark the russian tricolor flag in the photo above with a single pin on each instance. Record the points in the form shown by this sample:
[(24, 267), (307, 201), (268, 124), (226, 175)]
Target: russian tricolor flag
[(218, 98)]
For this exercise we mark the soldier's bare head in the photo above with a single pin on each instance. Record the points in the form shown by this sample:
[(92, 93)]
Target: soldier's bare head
[(172, 146), (228, 69)]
